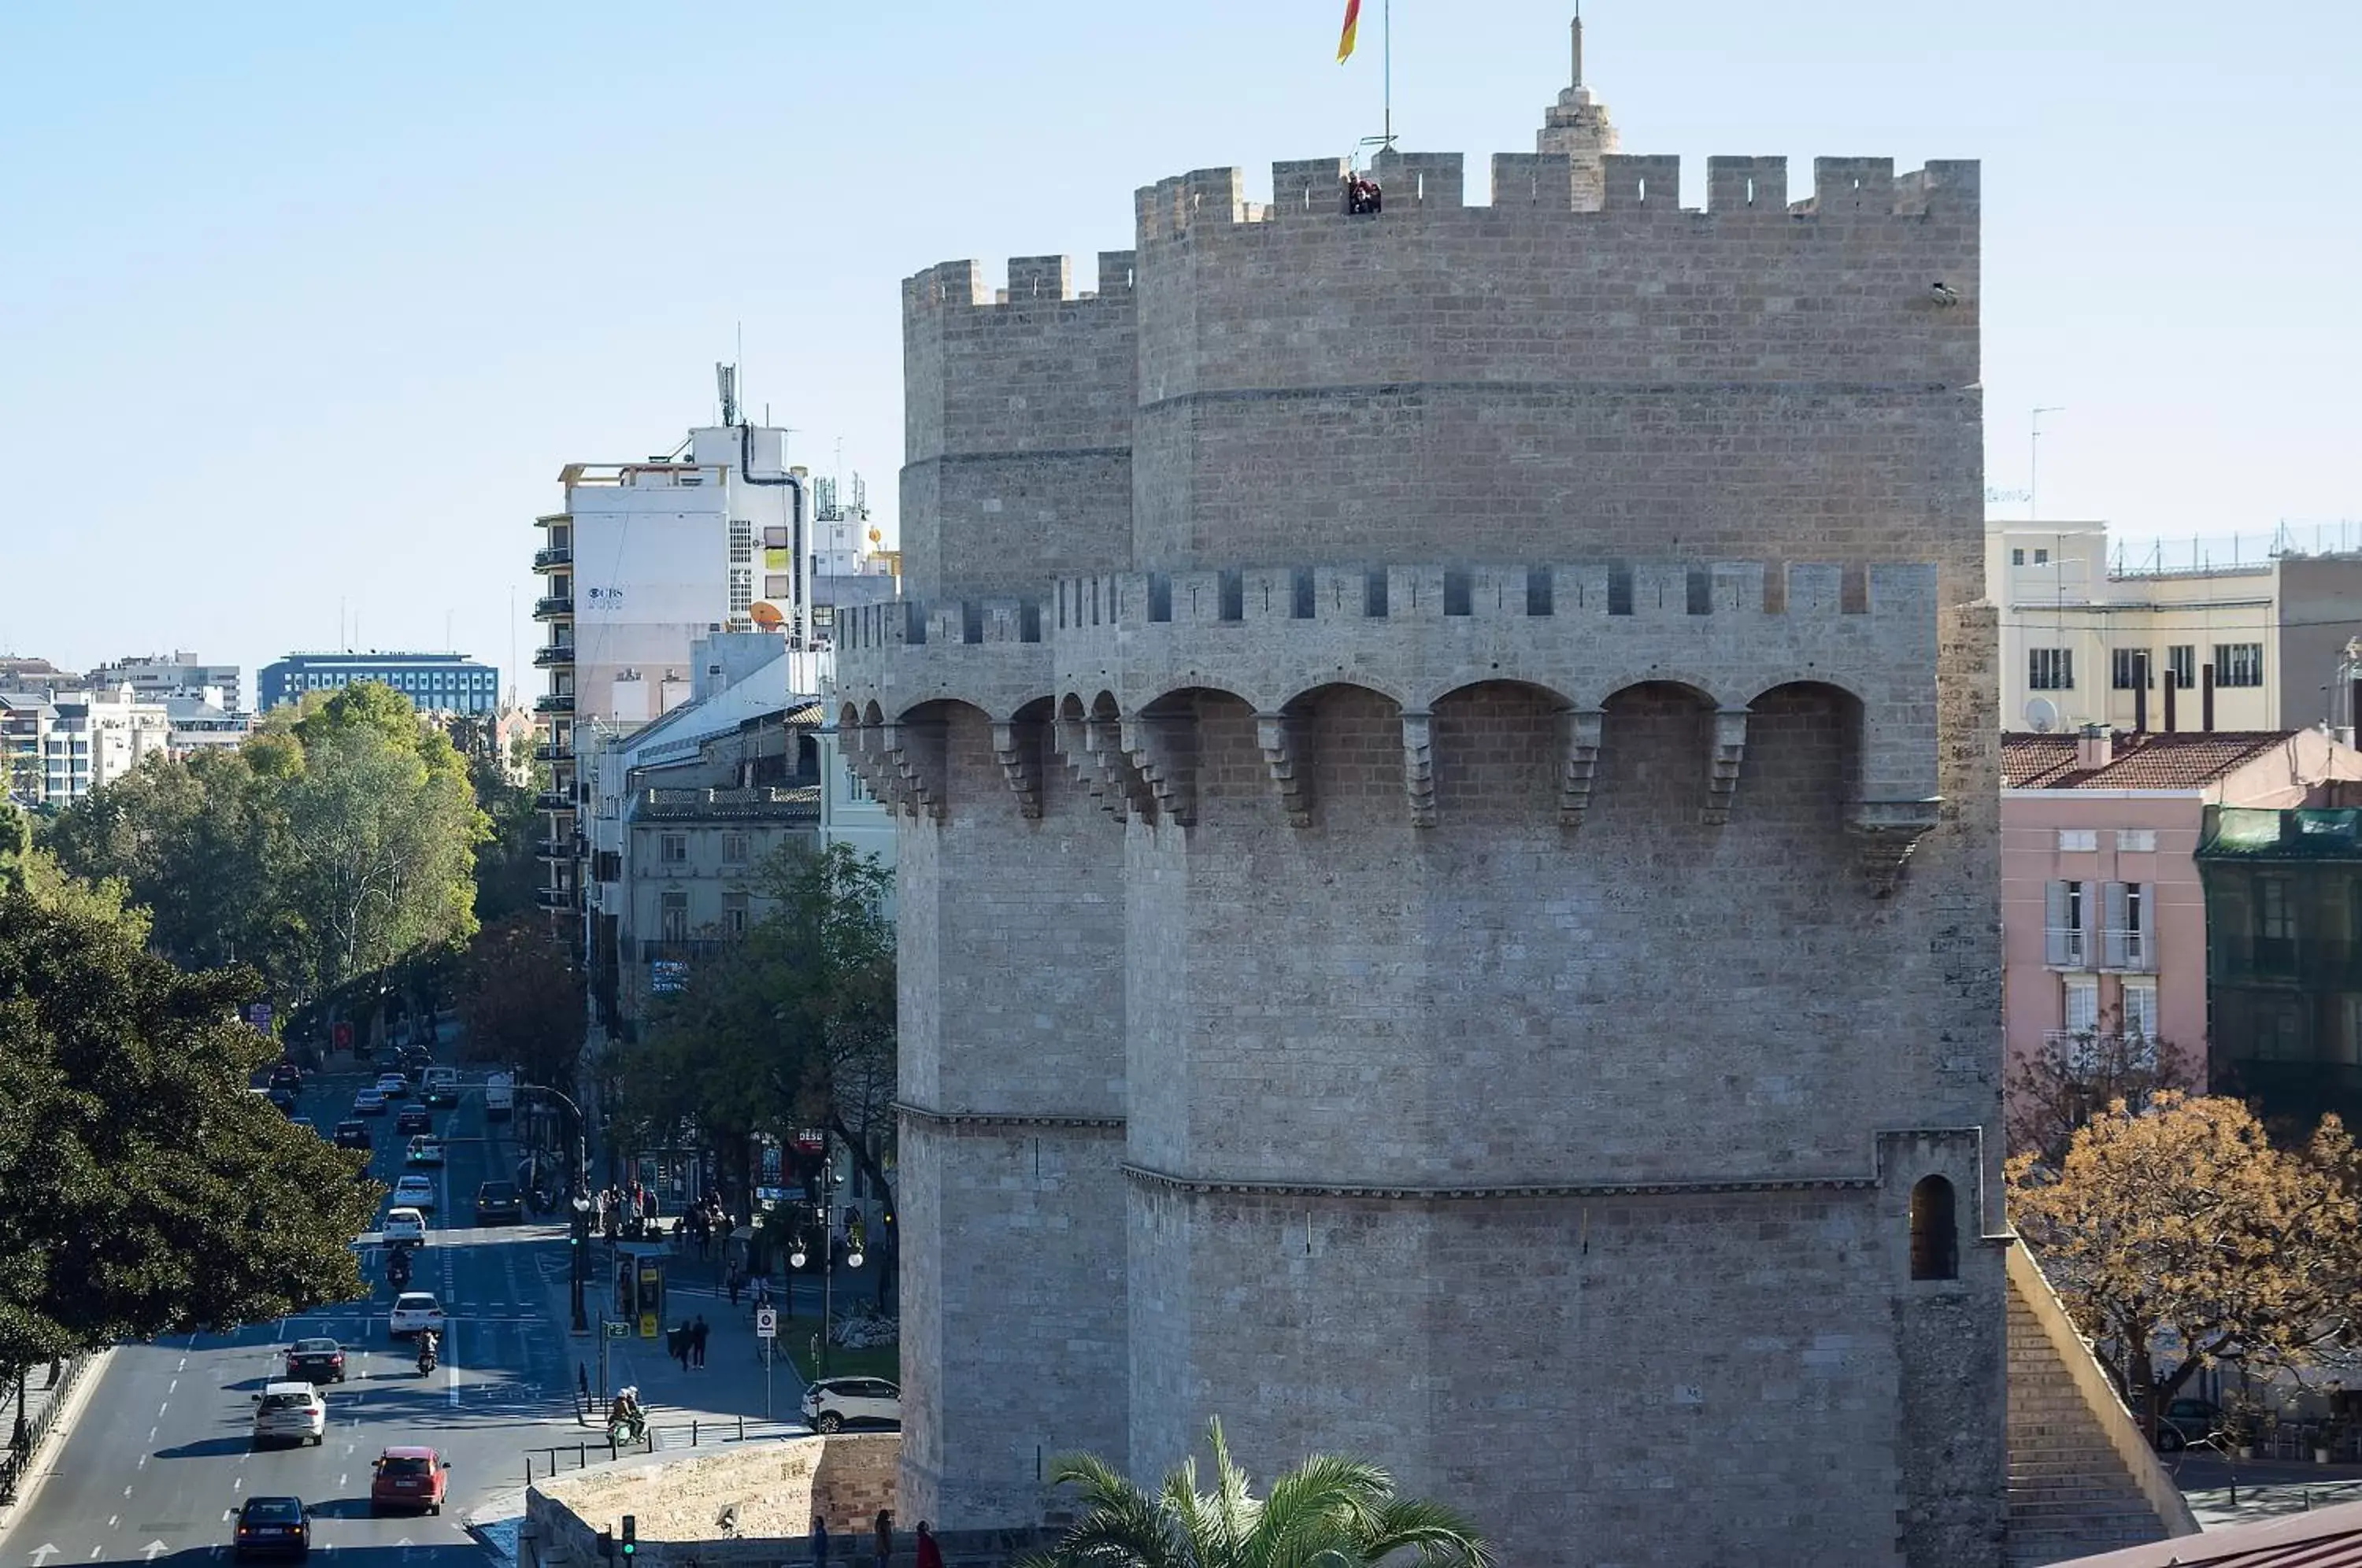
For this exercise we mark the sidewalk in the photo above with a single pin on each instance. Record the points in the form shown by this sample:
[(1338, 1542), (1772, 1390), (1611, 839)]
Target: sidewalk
[(729, 1386)]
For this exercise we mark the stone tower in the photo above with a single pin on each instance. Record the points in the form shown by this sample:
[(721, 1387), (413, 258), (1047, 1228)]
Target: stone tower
[(1446, 792)]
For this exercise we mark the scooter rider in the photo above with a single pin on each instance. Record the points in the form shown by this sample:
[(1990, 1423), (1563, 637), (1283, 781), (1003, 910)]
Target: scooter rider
[(429, 1342), (397, 1269)]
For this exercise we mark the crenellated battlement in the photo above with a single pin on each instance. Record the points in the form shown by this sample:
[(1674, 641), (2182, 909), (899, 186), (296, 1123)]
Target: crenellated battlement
[(1032, 281)]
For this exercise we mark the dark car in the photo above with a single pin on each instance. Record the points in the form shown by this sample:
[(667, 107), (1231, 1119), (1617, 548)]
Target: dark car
[(273, 1525), (414, 1119), (497, 1203), (316, 1360), (2185, 1421), (287, 1073), (353, 1134)]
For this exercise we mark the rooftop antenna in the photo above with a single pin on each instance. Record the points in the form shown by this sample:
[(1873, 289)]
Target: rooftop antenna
[(1578, 45), (725, 379)]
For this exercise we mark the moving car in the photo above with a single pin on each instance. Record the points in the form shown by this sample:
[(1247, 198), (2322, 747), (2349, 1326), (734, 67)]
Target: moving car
[(352, 1135), (290, 1412), (404, 1227), (413, 1311), (415, 1192), (2185, 1421), (409, 1478), (316, 1360), (425, 1150), (834, 1401), (441, 1085), (268, 1525), (393, 1086), (413, 1118), (497, 1203), (368, 1102)]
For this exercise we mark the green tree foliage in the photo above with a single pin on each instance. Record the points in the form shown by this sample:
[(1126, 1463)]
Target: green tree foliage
[(520, 1001), (148, 1188), (2179, 1238), (1328, 1512), (335, 843), (791, 1027)]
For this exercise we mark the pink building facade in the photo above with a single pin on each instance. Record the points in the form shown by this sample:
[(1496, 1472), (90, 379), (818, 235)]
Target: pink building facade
[(2103, 919)]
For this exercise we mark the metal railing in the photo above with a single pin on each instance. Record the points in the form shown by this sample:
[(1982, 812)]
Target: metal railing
[(14, 1465), (555, 604), (554, 654), (555, 555)]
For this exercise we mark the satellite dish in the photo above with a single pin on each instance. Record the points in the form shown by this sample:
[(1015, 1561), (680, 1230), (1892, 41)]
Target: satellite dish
[(2041, 715)]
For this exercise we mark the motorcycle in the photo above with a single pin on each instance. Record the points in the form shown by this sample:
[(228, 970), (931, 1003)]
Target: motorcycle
[(397, 1270), (426, 1355), (626, 1422)]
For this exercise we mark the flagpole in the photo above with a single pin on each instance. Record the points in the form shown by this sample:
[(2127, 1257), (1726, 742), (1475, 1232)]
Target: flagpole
[(1386, 47)]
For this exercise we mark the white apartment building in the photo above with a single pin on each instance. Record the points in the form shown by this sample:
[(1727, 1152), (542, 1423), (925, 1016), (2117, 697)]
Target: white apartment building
[(26, 718), (178, 674), (97, 737), (2252, 646), (206, 719)]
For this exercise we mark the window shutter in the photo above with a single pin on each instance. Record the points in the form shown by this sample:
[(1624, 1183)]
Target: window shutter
[(2145, 944), (2119, 919), (2053, 931)]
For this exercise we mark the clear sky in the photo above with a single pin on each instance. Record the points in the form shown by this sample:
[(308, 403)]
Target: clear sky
[(302, 306)]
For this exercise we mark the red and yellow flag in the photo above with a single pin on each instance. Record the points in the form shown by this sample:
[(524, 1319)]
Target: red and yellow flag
[(1345, 40)]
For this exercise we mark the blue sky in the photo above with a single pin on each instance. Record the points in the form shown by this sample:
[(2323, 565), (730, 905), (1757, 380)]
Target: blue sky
[(302, 306)]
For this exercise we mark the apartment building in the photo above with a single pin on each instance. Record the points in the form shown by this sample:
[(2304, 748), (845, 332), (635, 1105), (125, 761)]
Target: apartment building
[(25, 721), (97, 737), (2105, 913), (2247, 645), (435, 683), (2284, 957), (177, 674)]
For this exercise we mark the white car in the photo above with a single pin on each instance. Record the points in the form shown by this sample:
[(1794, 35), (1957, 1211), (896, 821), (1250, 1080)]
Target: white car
[(834, 1401), (404, 1227), (393, 1086), (426, 1149), (413, 1313), (415, 1192), (290, 1412)]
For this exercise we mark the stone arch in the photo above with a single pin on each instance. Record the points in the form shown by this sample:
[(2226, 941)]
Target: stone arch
[(1192, 746), (1297, 700), (1934, 1229), (1499, 748), (1803, 756), (1658, 754)]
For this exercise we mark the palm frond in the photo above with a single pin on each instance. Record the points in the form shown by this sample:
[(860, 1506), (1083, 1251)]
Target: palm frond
[(1236, 1512), (1443, 1537)]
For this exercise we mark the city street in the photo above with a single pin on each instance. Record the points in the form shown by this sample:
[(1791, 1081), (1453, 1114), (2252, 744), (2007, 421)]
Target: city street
[(162, 1455)]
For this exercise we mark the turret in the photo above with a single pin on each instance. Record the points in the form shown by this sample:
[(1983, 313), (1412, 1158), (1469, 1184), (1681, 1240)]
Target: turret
[(1577, 125)]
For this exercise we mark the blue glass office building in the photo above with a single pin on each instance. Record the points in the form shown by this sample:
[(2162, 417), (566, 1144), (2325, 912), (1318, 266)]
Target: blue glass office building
[(435, 682)]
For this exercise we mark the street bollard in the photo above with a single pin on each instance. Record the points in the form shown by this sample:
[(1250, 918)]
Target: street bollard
[(692, 1434), (742, 1429), (581, 1456)]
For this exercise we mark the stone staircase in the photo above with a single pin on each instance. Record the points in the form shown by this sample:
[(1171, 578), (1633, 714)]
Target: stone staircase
[(2081, 1478)]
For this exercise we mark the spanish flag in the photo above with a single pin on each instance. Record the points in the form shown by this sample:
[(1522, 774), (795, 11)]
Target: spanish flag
[(1345, 40)]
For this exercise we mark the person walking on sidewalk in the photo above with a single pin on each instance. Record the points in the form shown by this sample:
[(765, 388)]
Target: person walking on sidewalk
[(884, 1528), (818, 1543), (685, 1342), (929, 1554), (697, 1332), (737, 1284)]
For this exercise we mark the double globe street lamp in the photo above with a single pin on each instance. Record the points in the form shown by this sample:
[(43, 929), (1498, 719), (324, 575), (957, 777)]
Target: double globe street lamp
[(797, 1257)]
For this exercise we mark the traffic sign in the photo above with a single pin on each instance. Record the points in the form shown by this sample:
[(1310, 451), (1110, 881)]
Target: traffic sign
[(618, 1330), (767, 1323)]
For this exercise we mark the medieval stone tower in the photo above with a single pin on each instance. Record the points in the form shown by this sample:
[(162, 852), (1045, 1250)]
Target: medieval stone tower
[(1447, 787)]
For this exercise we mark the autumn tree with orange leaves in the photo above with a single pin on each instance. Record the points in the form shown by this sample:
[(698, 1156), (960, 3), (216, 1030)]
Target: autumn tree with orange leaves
[(2179, 1238)]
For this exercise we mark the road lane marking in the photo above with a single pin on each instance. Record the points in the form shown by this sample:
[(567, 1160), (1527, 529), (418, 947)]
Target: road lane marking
[(162, 1409), (151, 1435), (142, 1464), (126, 1491), (173, 1386), (113, 1519), (183, 1367), (342, 1479)]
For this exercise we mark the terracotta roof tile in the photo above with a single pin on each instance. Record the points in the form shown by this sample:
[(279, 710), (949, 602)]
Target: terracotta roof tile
[(2183, 760)]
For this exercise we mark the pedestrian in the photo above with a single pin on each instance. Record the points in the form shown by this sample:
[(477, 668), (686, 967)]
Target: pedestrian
[(737, 1284), (697, 1332), (687, 1343), (884, 1529), (819, 1542), (929, 1554), (676, 1344)]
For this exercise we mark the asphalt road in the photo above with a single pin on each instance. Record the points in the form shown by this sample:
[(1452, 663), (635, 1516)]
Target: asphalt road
[(162, 1455)]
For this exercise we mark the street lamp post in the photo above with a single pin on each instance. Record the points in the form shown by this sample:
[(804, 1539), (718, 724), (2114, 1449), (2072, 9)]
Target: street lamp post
[(581, 1257), (853, 1259)]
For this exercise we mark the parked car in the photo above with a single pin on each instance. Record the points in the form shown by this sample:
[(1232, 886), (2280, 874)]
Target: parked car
[(2185, 1421), (316, 1360), (832, 1402), (273, 1525), (290, 1412), (425, 1150), (497, 1203), (414, 1119), (414, 1311), (352, 1135), (404, 1227), (368, 1102), (415, 1192), (410, 1478)]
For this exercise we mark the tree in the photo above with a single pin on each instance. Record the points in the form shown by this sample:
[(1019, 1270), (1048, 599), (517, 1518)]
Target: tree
[(1328, 1512), (2177, 1234), (792, 1027), (2073, 1076), (148, 1189), (520, 999)]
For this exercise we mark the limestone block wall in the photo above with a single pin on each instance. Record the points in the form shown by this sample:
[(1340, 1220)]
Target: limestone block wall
[(772, 1488)]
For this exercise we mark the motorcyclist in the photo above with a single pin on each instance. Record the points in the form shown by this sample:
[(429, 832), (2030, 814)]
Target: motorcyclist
[(627, 1421), (397, 1270), (429, 1343)]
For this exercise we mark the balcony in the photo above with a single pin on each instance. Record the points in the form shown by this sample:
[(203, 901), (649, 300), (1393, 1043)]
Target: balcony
[(760, 803), (562, 752), (553, 800), (2092, 1045), (554, 702), (553, 519), (556, 655), (556, 607), (554, 849), (554, 898), (554, 556)]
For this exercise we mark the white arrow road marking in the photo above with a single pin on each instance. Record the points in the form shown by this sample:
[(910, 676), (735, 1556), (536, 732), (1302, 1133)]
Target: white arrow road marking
[(152, 1550), (43, 1553)]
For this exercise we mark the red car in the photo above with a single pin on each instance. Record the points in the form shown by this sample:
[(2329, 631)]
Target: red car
[(409, 1478)]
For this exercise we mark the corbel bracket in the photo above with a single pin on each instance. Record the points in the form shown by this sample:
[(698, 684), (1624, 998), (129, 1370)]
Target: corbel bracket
[(1885, 833), (1017, 747), (1418, 765), (1281, 738), (1722, 774), (1579, 731)]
